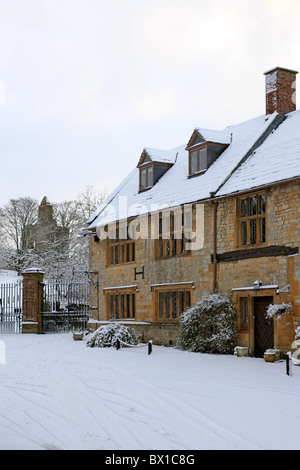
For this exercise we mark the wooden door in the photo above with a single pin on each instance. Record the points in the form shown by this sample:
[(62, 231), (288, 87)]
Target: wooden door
[(263, 327)]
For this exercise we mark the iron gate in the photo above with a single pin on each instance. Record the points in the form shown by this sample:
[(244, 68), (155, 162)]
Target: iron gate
[(65, 305), (11, 307)]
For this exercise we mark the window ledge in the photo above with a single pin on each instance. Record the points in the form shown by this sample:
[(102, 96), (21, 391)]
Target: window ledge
[(193, 175)]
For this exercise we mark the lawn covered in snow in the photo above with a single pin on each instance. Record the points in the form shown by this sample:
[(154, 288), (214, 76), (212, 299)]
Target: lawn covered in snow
[(57, 393)]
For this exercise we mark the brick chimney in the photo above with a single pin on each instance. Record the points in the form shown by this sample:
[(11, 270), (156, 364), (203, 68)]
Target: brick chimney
[(280, 90)]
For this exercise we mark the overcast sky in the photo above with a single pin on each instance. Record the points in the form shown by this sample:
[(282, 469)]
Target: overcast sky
[(85, 85)]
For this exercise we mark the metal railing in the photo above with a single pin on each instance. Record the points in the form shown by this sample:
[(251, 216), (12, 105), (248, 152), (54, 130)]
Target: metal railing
[(65, 305), (11, 307)]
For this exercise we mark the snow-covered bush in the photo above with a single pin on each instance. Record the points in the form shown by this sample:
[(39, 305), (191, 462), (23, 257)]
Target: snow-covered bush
[(297, 333), (208, 326), (107, 335), (277, 310)]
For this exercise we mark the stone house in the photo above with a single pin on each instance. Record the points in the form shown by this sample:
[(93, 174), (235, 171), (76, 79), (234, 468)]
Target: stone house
[(219, 213)]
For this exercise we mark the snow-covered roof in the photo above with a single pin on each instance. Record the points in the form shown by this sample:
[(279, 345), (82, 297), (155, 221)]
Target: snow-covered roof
[(276, 159), (160, 156), (215, 136)]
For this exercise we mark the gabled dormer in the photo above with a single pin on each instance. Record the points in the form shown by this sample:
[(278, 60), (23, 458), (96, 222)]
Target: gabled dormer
[(153, 164), (204, 147)]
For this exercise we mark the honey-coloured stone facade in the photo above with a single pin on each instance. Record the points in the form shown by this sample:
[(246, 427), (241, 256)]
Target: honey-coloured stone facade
[(276, 263)]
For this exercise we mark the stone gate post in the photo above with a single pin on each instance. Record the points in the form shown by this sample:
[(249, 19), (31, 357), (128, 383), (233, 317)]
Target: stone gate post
[(32, 300)]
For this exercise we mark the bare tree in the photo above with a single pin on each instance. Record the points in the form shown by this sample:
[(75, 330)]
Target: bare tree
[(64, 256), (16, 218), (72, 215), (88, 200)]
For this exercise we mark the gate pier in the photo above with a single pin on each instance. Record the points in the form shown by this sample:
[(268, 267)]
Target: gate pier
[(32, 300)]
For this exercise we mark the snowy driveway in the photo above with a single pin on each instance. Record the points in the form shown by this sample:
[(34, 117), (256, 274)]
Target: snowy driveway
[(59, 394)]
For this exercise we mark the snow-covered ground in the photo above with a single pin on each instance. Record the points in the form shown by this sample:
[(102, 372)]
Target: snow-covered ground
[(56, 393)]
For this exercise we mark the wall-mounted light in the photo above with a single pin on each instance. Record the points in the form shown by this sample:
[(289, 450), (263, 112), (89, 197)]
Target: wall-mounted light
[(84, 233), (257, 285)]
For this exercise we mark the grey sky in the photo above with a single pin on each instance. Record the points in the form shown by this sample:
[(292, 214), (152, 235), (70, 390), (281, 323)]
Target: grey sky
[(86, 84)]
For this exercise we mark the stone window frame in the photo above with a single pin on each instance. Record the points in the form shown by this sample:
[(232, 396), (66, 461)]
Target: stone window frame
[(120, 247), (121, 303), (251, 220), (197, 150), (170, 297), (148, 179), (173, 233)]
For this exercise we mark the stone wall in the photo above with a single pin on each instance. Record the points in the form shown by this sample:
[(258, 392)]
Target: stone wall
[(282, 215), (283, 230)]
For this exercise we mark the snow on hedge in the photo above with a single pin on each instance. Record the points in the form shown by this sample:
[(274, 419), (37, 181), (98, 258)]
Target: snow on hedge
[(208, 326), (276, 311), (108, 335)]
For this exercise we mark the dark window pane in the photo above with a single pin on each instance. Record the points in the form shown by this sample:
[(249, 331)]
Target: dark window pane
[(188, 299), (262, 230), (194, 162), (143, 179), (160, 226), (262, 204), (117, 306), (128, 252), (161, 305), (245, 315), (244, 207), (168, 247), (128, 305), (202, 159), (253, 231), (167, 304), (122, 305), (188, 220), (253, 205), (174, 243), (133, 305), (244, 233), (181, 302), (112, 255), (150, 176), (112, 306), (174, 304), (161, 247)]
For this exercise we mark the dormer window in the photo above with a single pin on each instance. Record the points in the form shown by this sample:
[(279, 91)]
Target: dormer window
[(153, 164), (146, 177), (198, 160), (204, 147)]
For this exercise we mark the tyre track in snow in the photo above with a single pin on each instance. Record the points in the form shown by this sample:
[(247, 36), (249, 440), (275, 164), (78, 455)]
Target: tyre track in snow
[(117, 414), (181, 411), (95, 399), (121, 413), (46, 410), (168, 405)]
